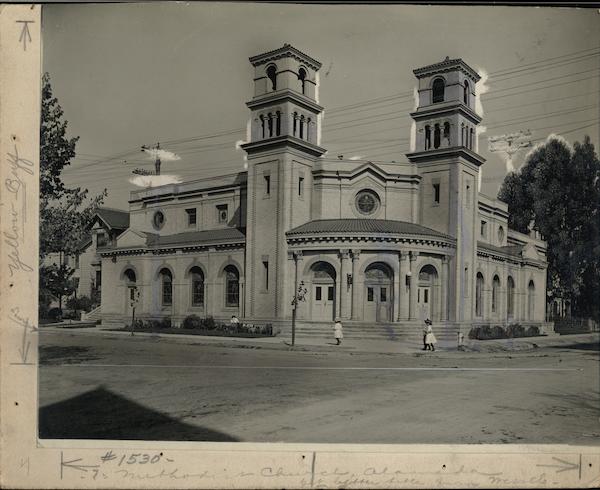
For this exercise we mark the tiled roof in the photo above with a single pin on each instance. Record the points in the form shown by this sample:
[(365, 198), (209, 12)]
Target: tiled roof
[(364, 225), (514, 250), (447, 63), (285, 49), (197, 237), (115, 218)]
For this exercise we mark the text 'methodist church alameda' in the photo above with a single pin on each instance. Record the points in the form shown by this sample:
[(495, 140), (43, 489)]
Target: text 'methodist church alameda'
[(373, 243)]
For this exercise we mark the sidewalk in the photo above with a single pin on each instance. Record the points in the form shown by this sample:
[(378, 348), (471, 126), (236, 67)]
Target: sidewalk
[(308, 344)]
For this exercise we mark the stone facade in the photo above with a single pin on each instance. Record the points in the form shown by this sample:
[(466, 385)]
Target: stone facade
[(390, 243)]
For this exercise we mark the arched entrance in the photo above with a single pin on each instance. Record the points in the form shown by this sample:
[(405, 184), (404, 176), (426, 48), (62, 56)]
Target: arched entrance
[(130, 281), (378, 295), (531, 300), (426, 293), (323, 304)]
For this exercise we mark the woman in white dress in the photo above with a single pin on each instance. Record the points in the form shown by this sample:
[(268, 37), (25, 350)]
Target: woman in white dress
[(430, 339), (337, 331)]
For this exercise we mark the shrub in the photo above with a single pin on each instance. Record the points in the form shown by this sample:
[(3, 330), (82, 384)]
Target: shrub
[(54, 314), (208, 323), (80, 303), (192, 321), (515, 330)]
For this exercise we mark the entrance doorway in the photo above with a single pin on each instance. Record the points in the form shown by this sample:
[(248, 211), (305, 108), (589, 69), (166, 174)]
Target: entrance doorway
[(323, 292), (428, 300), (378, 295)]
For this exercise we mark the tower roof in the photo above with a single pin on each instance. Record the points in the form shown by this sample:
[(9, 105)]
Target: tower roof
[(286, 51), (447, 65)]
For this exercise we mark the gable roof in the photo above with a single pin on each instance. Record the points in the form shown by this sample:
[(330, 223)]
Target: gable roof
[(114, 218), (362, 226)]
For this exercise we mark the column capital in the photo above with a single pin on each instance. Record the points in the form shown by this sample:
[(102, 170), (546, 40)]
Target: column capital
[(344, 253), (414, 256), (295, 255), (445, 259), (355, 254)]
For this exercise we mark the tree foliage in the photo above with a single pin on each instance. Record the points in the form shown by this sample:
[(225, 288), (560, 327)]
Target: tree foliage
[(65, 213), (557, 190)]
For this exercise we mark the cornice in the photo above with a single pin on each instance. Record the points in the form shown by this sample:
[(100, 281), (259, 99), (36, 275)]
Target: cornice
[(284, 95), (286, 51), (441, 153), (280, 142)]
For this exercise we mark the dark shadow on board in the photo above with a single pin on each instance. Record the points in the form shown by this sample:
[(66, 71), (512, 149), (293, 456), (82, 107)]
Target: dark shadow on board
[(102, 414)]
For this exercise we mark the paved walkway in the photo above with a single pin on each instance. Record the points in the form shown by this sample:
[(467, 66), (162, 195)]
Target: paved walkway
[(350, 345)]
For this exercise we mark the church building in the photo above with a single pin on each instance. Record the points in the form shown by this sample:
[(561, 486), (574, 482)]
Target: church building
[(386, 244)]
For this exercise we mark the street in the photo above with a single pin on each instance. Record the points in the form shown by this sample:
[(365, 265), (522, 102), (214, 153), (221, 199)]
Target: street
[(122, 387)]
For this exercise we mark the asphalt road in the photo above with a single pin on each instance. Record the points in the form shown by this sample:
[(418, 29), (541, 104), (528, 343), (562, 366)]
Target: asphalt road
[(155, 389)]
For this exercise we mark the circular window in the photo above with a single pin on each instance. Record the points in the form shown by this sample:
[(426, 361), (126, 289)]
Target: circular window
[(500, 234), (367, 202), (158, 220)]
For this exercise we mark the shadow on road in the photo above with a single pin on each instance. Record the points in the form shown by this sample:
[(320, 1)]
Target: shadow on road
[(102, 414), (56, 355), (594, 346)]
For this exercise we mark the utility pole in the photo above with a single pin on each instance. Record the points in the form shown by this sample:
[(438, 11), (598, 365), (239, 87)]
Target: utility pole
[(510, 144)]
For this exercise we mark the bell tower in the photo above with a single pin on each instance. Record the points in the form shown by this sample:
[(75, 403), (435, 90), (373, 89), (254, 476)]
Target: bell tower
[(447, 160), (283, 148)]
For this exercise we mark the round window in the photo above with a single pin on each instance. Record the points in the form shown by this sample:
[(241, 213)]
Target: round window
[(367, 202), (158, 220), (500, 234)]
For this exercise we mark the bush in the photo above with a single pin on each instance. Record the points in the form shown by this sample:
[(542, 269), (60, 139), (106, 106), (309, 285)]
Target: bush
[(192, 321), (71, 315), (54, 314), (208, 323), (81, 303), (514, 330)]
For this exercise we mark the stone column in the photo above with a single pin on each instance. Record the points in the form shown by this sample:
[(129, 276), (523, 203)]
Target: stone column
[(444, 289), (343, 295), (398, 288), (354, 311), (412, 301)]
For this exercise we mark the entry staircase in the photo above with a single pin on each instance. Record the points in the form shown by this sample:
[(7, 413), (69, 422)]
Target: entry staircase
[(405, 331), (92, 316)]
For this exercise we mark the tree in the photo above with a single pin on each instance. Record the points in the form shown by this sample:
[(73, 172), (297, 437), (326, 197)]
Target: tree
[(65, 213), (557, 191)]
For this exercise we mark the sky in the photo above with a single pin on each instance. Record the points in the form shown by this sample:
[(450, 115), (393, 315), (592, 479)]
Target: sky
[(128, 75)]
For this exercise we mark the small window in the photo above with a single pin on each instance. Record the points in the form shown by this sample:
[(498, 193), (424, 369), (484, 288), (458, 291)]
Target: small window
[(167, 287), (302, 78), (158, 220), (471, 139), (191, 215), (330, 293), (436, 193), (427, 137), (301, 127), (272, 74), (383, 295), (425, 295), (438, 90), (232, 286), (295, 125), (98, 280), (301, 186), (318, 293), (222, 213), (197, 286), (369, 294), (266, 275), (483, 230), (267, 184), (466, 282), (437, 137), (500, 235), (466, 93), (278, 123)]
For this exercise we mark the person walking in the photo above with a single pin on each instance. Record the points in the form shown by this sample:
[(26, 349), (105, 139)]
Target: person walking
[(425, 344), (338, 331), (430, 339)]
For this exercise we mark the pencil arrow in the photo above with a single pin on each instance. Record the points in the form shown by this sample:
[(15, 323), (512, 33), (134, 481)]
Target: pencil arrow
[(71, 464), (25, 34), (564, 466)]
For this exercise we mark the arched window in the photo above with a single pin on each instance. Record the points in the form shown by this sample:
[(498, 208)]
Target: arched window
[(479, 295), (232, 286), (278, 123), (447, 132), (436, 136), (427, 137), (197, 277), (531, 300), (166, 280), (130, 280), (307, 129), (437, 90), (466, 93), (295, 124), (302, 78), (262, 124), (495, 293), (272, 74), (301, 127), (471, 132), (270, 119), (510, 297)]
